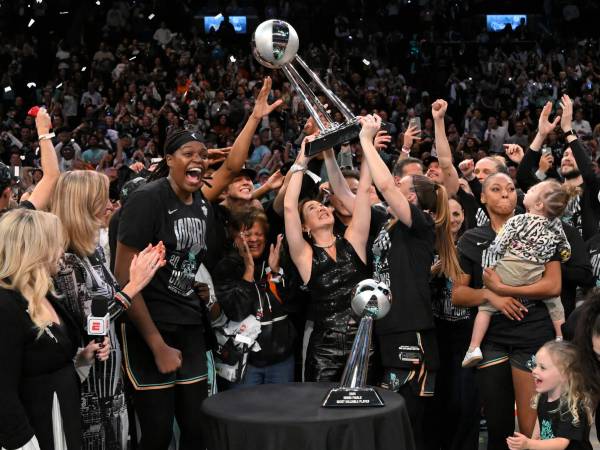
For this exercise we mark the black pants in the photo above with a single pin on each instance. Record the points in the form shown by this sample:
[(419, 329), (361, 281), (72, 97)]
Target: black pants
[(156, 410), (496, 387), (416, 406), (454, 409)]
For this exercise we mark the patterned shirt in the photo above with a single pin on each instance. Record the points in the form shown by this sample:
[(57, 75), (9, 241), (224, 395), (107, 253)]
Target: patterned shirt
[(533, 238)]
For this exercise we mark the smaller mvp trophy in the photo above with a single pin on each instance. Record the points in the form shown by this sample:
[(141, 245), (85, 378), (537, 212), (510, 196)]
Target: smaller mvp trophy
[(275, 45), (371, 301)]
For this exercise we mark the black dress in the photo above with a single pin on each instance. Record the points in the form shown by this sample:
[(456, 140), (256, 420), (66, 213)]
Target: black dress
[(39, 387), (331, 284)]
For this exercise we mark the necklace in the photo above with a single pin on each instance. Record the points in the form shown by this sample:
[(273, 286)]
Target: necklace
[(328, 245)]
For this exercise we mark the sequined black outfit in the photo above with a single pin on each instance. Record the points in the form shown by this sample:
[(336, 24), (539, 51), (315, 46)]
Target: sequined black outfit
[(331, 283)]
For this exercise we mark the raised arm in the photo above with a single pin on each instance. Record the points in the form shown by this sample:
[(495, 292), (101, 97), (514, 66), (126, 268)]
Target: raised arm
[(300, 251), (411, 134), (357, 232), (444, 154), (337, 182), (40, 197), (382, 177), (584, 164), (239, 152)]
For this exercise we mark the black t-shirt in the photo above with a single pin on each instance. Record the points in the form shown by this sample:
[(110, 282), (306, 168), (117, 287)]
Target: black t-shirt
[(113, 233), (402, 258), (536, 327), (555, 423), (379, 217), (593, 247), (154, 213)]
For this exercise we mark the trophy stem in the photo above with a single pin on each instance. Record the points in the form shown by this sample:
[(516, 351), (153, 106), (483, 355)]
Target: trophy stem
[(315, 100), (334, 98), (355, 372), (311, 109)]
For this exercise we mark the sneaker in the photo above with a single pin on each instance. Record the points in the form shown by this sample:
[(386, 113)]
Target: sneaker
[(472, 357)]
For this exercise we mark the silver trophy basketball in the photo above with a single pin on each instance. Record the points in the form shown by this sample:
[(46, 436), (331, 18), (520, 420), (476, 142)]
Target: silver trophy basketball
[(275, 45), (371, 300)]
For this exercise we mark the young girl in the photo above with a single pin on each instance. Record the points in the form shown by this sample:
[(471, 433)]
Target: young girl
[(564, 409), (525, 244)]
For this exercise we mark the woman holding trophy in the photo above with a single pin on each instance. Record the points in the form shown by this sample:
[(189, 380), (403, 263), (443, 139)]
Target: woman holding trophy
[(329, 265), (403, 256)]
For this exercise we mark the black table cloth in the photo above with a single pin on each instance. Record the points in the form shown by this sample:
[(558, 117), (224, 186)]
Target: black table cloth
[(290, 417)]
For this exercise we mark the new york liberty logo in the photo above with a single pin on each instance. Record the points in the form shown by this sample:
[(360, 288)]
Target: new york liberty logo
[(546, 430)]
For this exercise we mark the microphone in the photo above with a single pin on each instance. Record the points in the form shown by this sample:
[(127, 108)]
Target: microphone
[(99, 319)]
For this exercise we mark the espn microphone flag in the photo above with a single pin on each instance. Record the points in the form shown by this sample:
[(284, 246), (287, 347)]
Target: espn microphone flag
[(99, 320)]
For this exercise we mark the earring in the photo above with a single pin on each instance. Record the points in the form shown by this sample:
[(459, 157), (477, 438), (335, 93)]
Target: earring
[(309, 235)]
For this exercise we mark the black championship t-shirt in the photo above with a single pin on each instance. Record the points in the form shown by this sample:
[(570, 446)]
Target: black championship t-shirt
[(555, 423), (154, 213), (402, 258), (536, 327)]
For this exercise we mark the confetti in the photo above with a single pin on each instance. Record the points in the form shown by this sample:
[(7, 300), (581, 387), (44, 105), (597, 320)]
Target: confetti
[(83, 68), (22, 159), (366, 62), (31, 84), (39, 1), (132, 58), (232, 59), (98, 2), (62, 13), (219, 16), (7, 89), (59, 85), (31, 22), (151, 16)]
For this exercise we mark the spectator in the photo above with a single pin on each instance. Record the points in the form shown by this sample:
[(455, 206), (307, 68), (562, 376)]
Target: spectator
[(94, 153), (496, 136), (163, 35)]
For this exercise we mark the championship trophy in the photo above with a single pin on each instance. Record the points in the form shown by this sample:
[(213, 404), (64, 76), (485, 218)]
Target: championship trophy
[(371, 301), (275, 45)]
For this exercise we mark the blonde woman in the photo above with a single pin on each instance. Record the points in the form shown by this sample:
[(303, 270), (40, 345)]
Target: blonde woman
[(81, 202), (40, 339)]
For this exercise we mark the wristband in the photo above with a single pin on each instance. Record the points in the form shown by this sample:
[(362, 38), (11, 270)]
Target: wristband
[(570, 132), (46, 136), (406, 150), (123, 299), (297, 168), (268, 270)]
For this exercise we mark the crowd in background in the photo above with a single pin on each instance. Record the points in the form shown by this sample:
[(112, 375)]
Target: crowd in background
[(188, 207)]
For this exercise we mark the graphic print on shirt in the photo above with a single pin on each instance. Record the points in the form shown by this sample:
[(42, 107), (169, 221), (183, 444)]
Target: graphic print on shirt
[(595, 260), (546, 430), (481, 217), (572, 213), (381, 247), (191, 241)]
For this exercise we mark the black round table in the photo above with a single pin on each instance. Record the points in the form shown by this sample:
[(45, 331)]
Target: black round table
[(290, 417)]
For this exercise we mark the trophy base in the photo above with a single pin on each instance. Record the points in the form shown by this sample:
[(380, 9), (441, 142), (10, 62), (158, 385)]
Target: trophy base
[(329, 139), (342, 397)]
